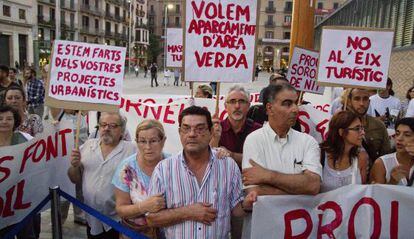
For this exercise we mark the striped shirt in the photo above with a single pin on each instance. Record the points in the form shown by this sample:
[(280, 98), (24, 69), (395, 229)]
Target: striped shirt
[(221, 186)]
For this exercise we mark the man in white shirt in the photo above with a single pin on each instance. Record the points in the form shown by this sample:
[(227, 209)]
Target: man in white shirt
[(384, 105), (277, 159), (94, 164)]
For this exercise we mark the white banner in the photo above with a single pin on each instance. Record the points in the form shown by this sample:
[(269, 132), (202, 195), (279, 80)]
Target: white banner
[(355, 57), (84, 72), (174, 47), (220, 39), (167, 109), (302, 71), (28, 170), (353, 211)]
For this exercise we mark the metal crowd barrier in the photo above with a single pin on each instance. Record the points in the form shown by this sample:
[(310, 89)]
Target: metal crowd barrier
[(54, 196)]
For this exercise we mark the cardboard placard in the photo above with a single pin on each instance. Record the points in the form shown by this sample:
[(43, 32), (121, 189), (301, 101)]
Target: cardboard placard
[(85, 76), (303, 70), (219, 40), (174, 47), (355, 57)]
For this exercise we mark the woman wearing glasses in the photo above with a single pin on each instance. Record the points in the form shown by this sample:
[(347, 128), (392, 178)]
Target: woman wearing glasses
[(132, 178), (339, 152), (397, 168)]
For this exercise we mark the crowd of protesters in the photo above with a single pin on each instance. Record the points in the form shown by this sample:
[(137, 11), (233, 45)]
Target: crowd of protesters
[(207, 190)]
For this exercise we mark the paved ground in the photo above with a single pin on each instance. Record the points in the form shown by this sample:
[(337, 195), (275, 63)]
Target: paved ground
[(140, 85)]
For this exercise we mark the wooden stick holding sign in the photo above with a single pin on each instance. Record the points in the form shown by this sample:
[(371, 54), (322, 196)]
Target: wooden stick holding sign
[(217, 99), (300, 98), (78, 123)]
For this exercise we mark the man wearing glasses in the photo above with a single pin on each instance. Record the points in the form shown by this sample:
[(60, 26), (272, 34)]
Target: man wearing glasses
[(201, 191), (94, 164), (230, 134)]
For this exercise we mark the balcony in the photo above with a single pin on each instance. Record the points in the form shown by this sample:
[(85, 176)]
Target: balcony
[(140, 13), (109, 34), (287, 24), (151, 13), (116, 2), (117, 17), (42, 22), (142, 26), (287, 9), (270, 24), (90, 9), (270, 10), (48, 2), (109, 15)]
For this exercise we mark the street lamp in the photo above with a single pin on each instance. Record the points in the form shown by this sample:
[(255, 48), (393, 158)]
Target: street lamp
[(167, 6), (131, 16)]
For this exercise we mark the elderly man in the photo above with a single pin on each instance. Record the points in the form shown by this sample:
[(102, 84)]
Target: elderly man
[(231, 132), (376, 142), (35, 92), (200, 190), (94, 164), (277, 159)]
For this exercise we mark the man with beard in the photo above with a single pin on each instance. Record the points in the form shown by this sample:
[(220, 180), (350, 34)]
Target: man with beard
[(230, 134), (278, 160), (201, 191), (376, 142), (94, 164)]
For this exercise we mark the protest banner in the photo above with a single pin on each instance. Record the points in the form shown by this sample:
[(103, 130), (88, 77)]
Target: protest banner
[(353, 211), (174, 47), (302, 71), (85, 76), (355, 57), (166, 109), (314, 122), (28, 170), (219, 40)]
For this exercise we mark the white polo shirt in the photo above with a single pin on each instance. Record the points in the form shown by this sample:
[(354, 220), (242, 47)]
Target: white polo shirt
[(290, 155)]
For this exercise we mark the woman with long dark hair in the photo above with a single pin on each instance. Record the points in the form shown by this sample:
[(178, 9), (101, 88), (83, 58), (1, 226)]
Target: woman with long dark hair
[(340, 150)]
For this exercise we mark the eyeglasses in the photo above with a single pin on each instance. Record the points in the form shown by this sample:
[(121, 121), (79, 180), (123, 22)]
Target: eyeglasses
[(111, 125), (357, 128), (197, 129), (143, 142), (235, 101)]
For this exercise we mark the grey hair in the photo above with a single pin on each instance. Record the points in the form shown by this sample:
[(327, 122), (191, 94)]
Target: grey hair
[(122, 119), (240, 89)]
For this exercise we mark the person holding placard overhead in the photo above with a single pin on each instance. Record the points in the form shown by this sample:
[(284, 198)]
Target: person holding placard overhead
[(339, 152), (385, 106), (376, 142)]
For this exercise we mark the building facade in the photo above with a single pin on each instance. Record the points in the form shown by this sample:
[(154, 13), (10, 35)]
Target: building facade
[(17, 26), (140, 33), (275, 26), (392, 14)]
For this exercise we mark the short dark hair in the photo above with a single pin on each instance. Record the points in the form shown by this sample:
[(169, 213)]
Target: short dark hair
[(271, 91), (196, 110), (16, 116), (13, 69), (14, 87), (409, 121), (408, 93), (5, 69)]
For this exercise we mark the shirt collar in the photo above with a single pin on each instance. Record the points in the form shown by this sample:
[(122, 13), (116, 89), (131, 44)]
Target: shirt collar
[(226, 125), (211, 159), (276, 137)]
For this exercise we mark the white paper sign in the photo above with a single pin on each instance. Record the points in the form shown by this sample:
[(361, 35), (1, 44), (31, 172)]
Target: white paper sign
[(84, 72), (355, 57), (29, 169), (174, 47), (303, 70), (353, 211), (220, 40)]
